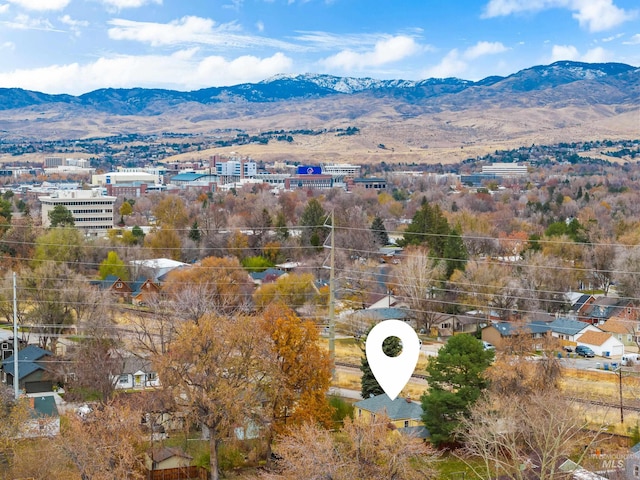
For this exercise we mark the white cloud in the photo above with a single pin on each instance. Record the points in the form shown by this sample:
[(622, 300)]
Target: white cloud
[(190, 30), (384, 52), (569, 52), (484, 48), (4, 8), (121, 4), (41, 5), (634, 40), (74, 25), (7, 46), (596, 55), (180, 70), (450, 66), (25, 22), (564, 52), (260, 26), (595, 15)]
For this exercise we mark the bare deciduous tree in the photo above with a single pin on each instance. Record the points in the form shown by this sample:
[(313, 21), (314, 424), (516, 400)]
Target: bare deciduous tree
[(361, 450)]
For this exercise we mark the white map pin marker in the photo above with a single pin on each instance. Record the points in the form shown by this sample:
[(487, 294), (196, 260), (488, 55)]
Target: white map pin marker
[(392, 373)]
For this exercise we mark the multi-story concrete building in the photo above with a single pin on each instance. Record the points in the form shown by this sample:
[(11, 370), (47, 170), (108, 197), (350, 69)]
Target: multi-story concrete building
[(92, 211)]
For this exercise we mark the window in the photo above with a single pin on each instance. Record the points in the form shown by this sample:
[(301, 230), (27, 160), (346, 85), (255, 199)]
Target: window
[(123, 379), (406, 424), (636, 470), (119, 285), (151, 376)]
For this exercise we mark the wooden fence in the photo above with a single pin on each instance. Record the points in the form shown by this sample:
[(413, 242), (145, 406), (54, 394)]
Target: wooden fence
[(184, 473)]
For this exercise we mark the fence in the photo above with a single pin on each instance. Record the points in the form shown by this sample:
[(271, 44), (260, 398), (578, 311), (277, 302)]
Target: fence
[(184, 473)]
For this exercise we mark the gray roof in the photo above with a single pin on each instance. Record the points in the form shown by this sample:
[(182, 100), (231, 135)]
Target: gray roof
[(380, 314), (507, 329), (565, 326), (399, 409)]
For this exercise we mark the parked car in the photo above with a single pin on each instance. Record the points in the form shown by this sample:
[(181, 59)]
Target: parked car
[(584, 351), (488, 346), (567, 348)]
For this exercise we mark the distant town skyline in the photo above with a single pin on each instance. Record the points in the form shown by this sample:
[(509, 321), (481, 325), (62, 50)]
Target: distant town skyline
[(76, 46)]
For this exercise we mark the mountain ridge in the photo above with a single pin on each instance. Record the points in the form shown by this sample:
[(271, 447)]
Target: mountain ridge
[(128, 101)]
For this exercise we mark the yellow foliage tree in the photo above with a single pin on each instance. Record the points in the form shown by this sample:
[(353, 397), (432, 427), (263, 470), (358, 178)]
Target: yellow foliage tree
[(293, 289)]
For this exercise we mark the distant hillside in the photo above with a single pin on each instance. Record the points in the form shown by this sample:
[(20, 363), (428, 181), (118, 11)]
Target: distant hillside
[(414, 119)]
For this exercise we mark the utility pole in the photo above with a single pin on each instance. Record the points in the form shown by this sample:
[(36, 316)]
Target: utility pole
[(620, 385), (332, 299), (16, 344)]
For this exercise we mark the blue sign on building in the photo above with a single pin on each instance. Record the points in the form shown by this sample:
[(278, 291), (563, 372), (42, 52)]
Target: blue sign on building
[(309, 170)]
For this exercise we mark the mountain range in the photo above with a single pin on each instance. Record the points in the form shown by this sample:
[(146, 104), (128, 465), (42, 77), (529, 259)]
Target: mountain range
[(562, 100)]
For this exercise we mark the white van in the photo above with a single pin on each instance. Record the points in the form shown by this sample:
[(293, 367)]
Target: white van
[(630, 359)]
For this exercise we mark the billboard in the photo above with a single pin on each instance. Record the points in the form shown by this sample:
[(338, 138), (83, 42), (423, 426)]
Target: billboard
[(309, 170)]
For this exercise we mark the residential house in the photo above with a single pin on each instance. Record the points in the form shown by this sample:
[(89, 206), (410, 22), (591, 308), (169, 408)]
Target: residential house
[(604, 308), (6, 344), (580, 303), (624, 330), (269, 275), (499, 333), (114, 284), (632, 463), (566, 329), (361, 320), (137, 291), (33, 375), (602, 343), (403, 413), (448, 325), (142, 290), (138, 373)]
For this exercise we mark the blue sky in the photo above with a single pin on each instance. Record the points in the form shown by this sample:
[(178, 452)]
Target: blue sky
[(76, 46)]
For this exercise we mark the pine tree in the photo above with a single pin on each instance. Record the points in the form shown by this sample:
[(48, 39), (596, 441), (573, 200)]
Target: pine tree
[(369, 386), (379, 232)]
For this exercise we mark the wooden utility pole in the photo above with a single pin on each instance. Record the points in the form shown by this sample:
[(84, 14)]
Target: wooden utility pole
[(332, 298), (620, 386)]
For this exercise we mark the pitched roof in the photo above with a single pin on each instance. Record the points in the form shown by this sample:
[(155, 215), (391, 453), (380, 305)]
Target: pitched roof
[(566, 326), (507, 328), (618, 325), (134, 364), (398, 409), (595, 338), (162, 453), (379, 314), (27, 361)]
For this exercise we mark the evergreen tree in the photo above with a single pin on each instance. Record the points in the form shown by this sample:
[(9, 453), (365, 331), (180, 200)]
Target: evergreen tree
[(379, 232), (138, 234), (281, 226), (312, 220), (428, 227), (369, 386), (194, 232), (455, 253), (61, 216), (456, 379)]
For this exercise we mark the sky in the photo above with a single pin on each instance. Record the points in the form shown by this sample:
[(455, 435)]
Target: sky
[(77, 46)]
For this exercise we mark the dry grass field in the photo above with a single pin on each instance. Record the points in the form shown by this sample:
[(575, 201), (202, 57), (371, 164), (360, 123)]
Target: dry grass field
[(420, 134)]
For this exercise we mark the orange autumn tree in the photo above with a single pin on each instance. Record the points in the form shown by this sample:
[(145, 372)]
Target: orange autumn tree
[(301, 371), (213, 285)]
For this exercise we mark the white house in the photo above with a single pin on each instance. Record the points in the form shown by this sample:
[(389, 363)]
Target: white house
[(567, 329), (602, 343), (137, 373)]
